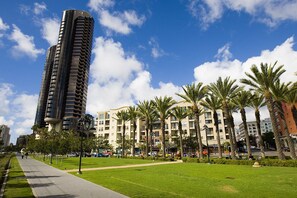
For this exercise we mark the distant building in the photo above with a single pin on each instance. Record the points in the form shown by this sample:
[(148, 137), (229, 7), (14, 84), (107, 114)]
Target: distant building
[(291, 123), (265, 125), (108, 127), (64, 88), (22, 141), (4, 135)]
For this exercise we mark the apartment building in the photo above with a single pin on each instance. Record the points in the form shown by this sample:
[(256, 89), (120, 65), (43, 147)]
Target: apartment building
[(110, 128), (265, 125)]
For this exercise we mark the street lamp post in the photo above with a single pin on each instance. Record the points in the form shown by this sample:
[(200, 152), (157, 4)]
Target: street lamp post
[(206, 129), (85, 122)]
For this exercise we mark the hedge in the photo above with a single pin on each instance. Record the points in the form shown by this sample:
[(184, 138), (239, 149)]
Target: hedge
[(263, 162)]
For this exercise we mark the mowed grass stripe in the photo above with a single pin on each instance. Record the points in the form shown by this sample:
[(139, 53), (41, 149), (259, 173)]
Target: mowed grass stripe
[(199, 180)]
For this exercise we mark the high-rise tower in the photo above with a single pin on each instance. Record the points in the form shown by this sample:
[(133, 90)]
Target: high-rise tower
[(46, 77), (68, 86)]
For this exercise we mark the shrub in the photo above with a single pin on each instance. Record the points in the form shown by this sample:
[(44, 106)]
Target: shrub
[(263, 162)]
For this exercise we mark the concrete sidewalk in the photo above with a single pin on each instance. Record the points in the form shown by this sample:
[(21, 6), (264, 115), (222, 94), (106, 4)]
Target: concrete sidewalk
[(47, 181)]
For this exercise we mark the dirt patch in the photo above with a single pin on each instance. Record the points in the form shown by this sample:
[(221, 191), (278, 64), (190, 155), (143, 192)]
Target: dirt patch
[(227, 188)]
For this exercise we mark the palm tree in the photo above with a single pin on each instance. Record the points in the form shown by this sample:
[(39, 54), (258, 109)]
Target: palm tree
[(163, 106), (132, 116), (261, 80), (123, 117), (279, 91), (180, 113), (146, 111), (233, 109), (213, 103), (257, 102), (242, 100), (225, 90), (193, 94)]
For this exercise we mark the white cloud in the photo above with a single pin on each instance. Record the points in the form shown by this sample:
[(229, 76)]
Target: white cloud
[(208, 12), (98, 5), (39, 8), (285, 55), (266, 11), (131, 18), (111, 63), (156, 52), (118, 79), (50, 30), (5, 93), (119, 22), (3, 26), (24, 9), (25, 105), (25, 44), (114, 23), (17, 110), (224, 53)]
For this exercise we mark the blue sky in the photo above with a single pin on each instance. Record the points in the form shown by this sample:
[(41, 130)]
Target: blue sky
[(142, 48)]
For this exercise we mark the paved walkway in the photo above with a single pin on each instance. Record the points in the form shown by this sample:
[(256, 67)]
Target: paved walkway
[(47, 181), (125, 166)]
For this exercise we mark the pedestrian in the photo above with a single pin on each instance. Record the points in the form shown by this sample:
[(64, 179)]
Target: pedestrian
[(26, 155)]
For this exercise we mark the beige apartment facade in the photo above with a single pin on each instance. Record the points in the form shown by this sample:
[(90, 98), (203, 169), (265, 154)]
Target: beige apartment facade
[(110, 128)]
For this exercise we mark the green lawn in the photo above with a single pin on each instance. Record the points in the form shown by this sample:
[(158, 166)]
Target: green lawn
[(198, 180), (17, 185), (91, 162)]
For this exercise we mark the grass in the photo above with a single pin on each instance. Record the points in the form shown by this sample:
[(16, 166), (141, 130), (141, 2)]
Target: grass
[(70, 163), (17, 185), (198, 180)]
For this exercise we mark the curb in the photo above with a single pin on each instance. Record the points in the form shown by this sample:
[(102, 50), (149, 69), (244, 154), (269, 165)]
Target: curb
[(5, 179)]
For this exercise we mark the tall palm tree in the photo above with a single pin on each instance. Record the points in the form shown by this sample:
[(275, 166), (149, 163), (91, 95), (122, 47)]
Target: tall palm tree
[(146, 111), (132, 116), (180, 113), (214, 103), (242, 100), (163, 106), (279, 91), (257, 102), (225, 90), (261, 80), (233, 109), (193, 94), (123, 117)]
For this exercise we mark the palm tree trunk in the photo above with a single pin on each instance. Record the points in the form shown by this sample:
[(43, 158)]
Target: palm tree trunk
[(269, 103), (151, 142), (181, 139), (123, 140), (133, 141), (228, 120), (233, 133), (294, 113), (216, 122), (198, 136), (247, 138), (147, 141), (258, 121), (163, 137)]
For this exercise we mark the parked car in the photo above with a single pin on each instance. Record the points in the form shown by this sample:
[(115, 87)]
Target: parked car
[(102, 155), (72, 155)]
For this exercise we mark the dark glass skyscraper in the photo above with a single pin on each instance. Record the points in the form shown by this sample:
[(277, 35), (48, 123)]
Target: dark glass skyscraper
[(67, 90)]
